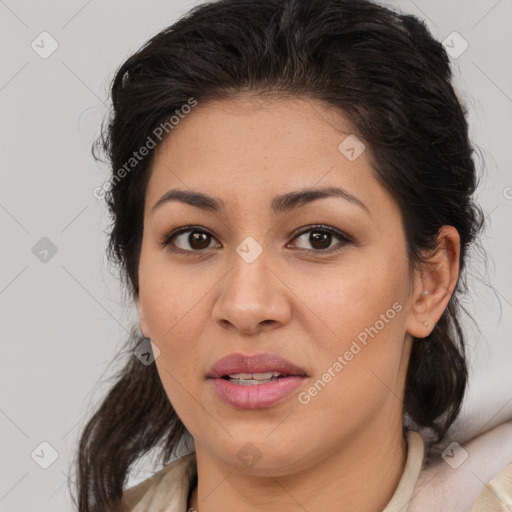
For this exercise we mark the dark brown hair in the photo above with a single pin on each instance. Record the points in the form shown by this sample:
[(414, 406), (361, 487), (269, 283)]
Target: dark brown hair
[(392, 80)]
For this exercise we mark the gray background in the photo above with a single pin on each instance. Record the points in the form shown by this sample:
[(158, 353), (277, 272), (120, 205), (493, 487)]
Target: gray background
[(63, 319)]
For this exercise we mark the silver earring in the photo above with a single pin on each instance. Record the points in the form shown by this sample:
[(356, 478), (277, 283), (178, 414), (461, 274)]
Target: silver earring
[(426, 324)]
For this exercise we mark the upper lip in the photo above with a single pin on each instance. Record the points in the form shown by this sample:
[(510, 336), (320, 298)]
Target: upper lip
[(254, 363)]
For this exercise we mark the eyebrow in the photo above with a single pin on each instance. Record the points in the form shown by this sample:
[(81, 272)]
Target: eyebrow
[(279, 204)]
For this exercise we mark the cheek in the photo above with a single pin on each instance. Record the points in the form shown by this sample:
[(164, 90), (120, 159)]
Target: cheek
[(167, 293), (172, 307), (170, 300), (362, 310), (352, 298)]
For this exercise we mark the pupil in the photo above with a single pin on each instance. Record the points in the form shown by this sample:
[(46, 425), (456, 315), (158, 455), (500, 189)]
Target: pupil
[(199, 238), (320, 237)]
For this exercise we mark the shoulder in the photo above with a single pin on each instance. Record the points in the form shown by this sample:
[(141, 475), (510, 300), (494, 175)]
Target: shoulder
[(134, 494), (497, 495), (458, 478), (174, 478)]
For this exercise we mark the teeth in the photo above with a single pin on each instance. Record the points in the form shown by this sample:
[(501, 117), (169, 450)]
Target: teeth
[(252, 379), (243, 382), (254, 376)]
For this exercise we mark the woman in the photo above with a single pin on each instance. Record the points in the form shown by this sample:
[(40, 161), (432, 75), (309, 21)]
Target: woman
[(292, 202)]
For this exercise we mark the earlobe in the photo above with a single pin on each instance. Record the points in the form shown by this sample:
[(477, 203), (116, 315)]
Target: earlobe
[(435, 283)]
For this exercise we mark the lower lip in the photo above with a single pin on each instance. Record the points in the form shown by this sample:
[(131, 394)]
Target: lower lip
[(256, 396)]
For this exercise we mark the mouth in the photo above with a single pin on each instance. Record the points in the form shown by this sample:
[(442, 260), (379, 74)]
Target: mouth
[(254, 369), (255, 381)]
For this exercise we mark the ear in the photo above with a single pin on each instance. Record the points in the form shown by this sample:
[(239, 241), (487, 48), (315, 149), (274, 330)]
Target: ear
[(142, 319), (435, 283)]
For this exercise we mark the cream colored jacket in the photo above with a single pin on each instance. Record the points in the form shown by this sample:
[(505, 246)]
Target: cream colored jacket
[(475, 479)]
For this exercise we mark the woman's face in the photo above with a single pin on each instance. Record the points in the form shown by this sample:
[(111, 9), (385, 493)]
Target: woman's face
[(254, 277)]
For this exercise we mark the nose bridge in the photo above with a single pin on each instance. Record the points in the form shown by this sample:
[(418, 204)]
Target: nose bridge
[(251, 296), (248, 284)]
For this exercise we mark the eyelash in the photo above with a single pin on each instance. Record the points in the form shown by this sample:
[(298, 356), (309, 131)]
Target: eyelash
[(316, 227)]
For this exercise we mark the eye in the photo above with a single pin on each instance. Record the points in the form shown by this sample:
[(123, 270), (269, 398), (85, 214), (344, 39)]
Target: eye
[(321, 237), (197, 240)]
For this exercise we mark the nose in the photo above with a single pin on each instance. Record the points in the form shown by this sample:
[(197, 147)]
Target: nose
[(253, 298)]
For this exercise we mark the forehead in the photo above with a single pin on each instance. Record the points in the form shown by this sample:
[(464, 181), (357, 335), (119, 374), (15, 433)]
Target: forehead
[(247, 146)]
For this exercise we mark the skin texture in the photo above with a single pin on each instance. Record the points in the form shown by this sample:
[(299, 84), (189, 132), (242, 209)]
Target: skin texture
[(343, 450)]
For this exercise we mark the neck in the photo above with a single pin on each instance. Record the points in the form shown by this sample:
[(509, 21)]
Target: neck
[(362, 475)]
